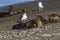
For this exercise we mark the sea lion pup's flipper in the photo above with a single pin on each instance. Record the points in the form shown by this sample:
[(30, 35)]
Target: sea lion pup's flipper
[(31, 24)]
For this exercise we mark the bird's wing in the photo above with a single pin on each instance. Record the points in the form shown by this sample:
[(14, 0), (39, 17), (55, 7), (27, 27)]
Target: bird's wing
[(24, 16), (40, 4)]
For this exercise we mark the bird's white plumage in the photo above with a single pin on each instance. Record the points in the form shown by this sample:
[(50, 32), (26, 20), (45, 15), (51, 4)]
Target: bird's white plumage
[(40, 5), (24, 17)]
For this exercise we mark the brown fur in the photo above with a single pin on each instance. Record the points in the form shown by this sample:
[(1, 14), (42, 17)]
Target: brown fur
[(40, 21), (21, 11), (54, 18), (13, 11)]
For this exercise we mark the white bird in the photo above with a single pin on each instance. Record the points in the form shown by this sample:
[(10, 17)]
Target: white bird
[(40, 5), (24, 17)]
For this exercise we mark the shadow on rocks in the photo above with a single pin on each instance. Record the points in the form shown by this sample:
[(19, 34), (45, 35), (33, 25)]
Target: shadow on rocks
[(27, 25)]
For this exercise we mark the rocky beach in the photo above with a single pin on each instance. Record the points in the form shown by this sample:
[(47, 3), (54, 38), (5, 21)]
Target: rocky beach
[(48, 32)]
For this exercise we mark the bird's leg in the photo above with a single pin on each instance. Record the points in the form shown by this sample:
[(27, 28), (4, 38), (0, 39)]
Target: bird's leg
[(40, 9)]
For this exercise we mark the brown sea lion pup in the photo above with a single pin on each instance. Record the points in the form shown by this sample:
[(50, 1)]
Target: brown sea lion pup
[(40, 21), (11, 10), (53, 18), (21, 10)]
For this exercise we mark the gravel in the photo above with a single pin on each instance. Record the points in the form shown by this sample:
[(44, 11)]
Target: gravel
[(48, 32), (30, 34)]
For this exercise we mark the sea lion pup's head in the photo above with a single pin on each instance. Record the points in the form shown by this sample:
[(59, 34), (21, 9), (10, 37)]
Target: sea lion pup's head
[(53, 18), (40, 21)]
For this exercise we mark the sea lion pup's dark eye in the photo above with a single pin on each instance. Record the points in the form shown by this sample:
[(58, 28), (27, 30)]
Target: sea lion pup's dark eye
[(40, 21), (53, 18)]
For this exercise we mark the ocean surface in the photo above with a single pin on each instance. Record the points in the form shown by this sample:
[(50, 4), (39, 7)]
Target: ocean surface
[(11, 2)]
